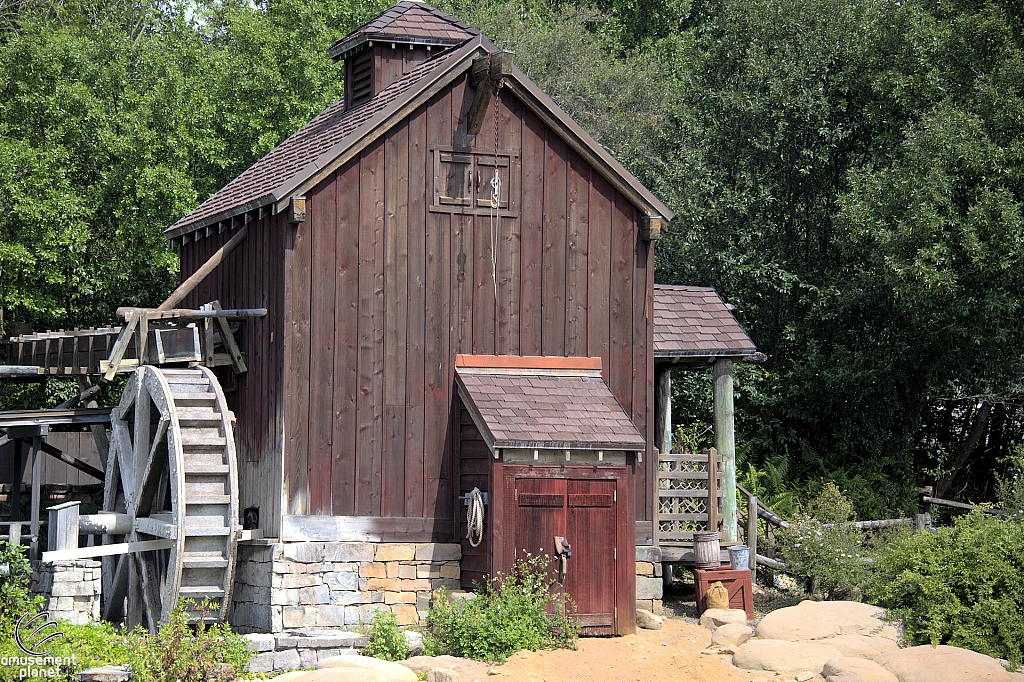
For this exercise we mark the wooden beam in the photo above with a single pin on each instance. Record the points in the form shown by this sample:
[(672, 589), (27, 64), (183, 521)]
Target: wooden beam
[(229, 342), (186, 287), (650, 228), (501, 64), (107, 550), (121, 345), (297, 210), (478, 110), (725, 443), (34, 502), (663, 409), (187, 314), (72, 461)]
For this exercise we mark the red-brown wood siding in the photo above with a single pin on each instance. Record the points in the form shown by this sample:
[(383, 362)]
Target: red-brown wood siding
[(252, 276), (474, 472), (374, 294)]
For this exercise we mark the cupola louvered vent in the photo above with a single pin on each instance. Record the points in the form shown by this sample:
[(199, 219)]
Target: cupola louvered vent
[(359, 79)]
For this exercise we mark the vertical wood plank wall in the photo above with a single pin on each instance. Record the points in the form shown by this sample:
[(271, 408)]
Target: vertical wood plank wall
[(252, 276), (373, 295)]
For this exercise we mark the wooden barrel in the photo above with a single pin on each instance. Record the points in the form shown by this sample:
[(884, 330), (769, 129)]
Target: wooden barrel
[(707, 552)]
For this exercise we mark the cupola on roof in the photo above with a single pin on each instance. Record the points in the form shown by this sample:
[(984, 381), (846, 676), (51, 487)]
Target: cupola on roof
[(408, 23)]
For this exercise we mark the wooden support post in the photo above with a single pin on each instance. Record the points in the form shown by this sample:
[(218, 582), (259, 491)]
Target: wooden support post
[(713, 490), (17, 474), (478, 110), (99, 431), (62, 529), (229, 342), (663, 410), (725, 443), (37, 479), (752, 536)]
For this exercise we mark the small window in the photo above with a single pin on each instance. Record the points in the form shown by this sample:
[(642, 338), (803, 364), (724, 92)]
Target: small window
[(468, 182)]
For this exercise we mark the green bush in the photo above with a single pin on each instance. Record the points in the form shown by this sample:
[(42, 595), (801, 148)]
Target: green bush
[(386, 641), (510, 613), (179, 652), (961, 585), (15, 599), (822, 549)]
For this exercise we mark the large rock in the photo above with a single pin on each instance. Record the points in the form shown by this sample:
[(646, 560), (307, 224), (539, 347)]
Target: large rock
[(422, 664), (443, 675), (810, 620), (783, 656), (846, 669), (393, 671), (731, 635), (716, 618), (334, 675), (647, 620), (944, 664), (862, 646)]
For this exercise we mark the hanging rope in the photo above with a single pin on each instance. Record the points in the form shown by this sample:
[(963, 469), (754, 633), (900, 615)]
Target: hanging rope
[(475, 518), (495, 192)]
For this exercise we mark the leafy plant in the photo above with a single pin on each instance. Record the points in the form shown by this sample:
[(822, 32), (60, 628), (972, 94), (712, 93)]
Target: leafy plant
[(510, 613), (183, 652), (961, 585), (15, 599), (822, 549), (386, 640)]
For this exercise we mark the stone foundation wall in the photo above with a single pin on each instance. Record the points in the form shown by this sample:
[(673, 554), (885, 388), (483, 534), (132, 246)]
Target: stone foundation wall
[(298, 650), (71, 589), (649, 585), (302, 585)]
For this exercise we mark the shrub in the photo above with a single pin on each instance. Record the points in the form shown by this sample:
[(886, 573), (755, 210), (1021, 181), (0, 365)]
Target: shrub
[(510, 613), (961, 585), (182, 652), (386, 641), (822, 549), (15, 599)]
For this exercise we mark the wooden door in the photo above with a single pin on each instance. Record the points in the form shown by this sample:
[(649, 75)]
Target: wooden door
[(590, 529), (584, 512)]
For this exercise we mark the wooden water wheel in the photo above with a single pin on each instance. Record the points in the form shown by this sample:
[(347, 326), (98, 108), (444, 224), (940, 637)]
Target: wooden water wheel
[(171, 470)]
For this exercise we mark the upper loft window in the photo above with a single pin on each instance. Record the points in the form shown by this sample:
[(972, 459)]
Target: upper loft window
[(474, 182), (359, 79)]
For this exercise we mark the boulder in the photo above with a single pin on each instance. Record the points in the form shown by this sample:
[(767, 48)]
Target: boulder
[(414, 641), (422, 664), (846, 669), (731, 635), (811, 620), (335, 675), (392, 671), (443, 675), (943, 664), (716, 618), (647, 620), (861, 646), (781, 655)]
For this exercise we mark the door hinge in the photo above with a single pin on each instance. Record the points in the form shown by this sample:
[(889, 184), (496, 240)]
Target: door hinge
[(615, 496), (615, 554), (616, 611)]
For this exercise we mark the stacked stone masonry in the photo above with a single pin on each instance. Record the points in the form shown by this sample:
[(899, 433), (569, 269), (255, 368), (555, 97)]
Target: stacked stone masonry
[(300, 649), (302, 585), (649, 585), (71, 589)]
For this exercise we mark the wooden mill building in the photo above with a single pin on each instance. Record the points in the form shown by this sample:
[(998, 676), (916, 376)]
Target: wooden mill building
[(459, 290)]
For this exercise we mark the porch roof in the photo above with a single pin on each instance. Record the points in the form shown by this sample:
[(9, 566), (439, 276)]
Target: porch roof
[(544, 403), (691, 323)]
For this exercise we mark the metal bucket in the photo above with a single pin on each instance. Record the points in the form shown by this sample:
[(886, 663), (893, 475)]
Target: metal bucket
[(707, 551), (739, 557)]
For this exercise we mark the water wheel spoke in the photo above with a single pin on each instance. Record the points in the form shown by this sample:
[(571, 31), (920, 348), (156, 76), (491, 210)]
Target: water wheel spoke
[(118, 590), (135, 596), (151, 589), (125, 460), (154, 472)]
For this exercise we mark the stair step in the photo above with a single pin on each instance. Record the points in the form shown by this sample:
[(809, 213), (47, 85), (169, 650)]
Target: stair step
[(208, 499), (200, 591), (194, 396), (205, 469), (202, 438), (204, 562), (206, 531), (188, 416)]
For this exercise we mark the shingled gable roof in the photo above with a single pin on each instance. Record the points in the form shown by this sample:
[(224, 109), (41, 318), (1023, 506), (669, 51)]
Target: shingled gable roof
[(334, 136), (546, 403), (694, 322), (409, 22)]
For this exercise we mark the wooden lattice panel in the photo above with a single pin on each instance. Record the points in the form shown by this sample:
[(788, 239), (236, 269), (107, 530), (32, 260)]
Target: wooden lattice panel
[(683, 496)]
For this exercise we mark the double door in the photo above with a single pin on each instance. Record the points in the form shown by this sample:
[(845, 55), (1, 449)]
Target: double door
[(578, 523)]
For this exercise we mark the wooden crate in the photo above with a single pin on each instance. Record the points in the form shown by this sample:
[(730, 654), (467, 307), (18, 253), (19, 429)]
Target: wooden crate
[(736, 582)]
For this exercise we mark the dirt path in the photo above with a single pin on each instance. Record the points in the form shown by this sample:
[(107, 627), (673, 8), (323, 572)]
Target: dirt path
[(672, 653)]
